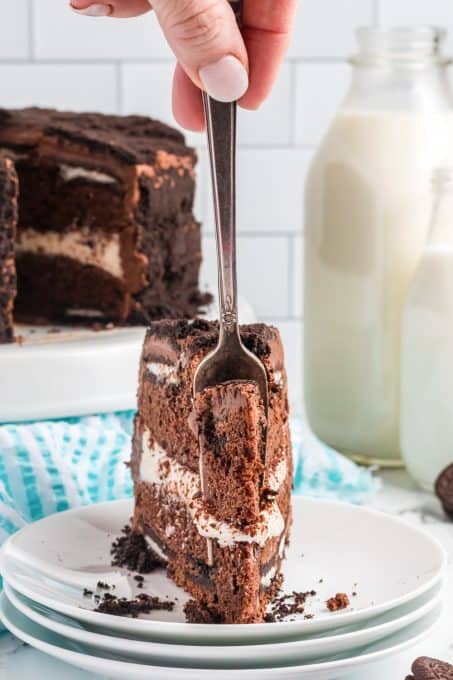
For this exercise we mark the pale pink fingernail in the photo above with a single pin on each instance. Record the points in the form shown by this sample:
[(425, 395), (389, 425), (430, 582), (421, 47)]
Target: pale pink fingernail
[(96, 10), (225, 80)]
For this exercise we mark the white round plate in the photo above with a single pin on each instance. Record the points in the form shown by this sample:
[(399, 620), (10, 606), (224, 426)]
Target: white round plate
[(239, 656), (116, 666), (101, 368), (335, 547)]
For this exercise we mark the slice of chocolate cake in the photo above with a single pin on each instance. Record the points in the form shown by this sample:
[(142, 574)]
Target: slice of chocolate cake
[(8, 219), (106, 229), (245, 514)]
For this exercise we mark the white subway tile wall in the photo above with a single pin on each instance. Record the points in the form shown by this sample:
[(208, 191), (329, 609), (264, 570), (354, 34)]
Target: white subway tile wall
[(50, 56)]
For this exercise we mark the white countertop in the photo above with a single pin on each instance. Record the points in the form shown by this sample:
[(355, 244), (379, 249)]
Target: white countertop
[(398, 496)]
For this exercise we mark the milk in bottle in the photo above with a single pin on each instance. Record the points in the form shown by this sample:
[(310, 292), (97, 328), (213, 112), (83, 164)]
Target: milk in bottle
[(367, 213), (427, 348)]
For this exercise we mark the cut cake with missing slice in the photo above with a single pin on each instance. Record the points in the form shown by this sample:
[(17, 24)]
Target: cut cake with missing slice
[(106, 230), (8, 220)]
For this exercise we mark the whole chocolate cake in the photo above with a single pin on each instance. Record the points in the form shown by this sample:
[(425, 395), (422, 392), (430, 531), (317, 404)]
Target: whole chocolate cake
[(105, 228), (225, 548), (8, 220)]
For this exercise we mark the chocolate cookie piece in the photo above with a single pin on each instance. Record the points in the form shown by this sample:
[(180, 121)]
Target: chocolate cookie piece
[(425, 668), (444, 489)]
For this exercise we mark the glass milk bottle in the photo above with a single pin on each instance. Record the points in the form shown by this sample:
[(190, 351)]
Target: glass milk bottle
[(427, 348), (367, 212)]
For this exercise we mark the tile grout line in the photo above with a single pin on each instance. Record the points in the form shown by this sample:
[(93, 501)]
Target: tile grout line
[(119, 87), (151, 61), (293, 88), (291, 272), (258, 234), (281, 319), (31, 30), (376, 13)]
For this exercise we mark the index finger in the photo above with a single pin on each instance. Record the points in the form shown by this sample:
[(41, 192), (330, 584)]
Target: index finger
[(266, 30)]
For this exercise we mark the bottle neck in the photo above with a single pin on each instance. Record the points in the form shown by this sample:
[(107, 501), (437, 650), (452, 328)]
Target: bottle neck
[(394, 85)]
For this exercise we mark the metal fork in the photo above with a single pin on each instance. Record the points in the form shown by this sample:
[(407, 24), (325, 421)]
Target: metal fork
[(230, 360)]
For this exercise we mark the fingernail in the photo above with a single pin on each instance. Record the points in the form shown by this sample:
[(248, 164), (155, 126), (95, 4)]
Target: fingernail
[(225, 80), (96, 10)]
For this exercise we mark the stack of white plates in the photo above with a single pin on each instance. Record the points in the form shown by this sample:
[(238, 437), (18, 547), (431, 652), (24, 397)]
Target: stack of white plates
[(392, 573)]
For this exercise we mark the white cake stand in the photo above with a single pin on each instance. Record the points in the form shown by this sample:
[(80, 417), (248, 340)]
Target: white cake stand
[(60, 371)]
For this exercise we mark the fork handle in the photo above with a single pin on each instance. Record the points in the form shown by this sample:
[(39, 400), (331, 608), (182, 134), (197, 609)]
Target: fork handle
[(221, 128)]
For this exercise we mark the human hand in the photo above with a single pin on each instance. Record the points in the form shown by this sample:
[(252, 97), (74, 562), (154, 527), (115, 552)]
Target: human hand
[(212, 54)]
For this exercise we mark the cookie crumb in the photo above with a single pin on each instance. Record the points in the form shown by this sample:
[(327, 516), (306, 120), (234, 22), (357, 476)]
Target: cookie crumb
[(339, 601), (131, 551), (142, 604)]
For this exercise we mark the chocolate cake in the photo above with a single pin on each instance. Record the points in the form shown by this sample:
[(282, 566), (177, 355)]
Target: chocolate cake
[(226, 547), (8, 220), (105, 227)]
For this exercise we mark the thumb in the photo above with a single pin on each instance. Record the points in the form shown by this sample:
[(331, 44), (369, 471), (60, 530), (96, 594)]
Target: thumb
[(205, 38)]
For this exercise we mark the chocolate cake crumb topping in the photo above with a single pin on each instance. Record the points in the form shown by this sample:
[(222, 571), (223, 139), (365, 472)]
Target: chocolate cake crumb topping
[(444, 490), (426, 668), (196, 613), (287, 605), (142, 604), (339, 601), (132, 552)]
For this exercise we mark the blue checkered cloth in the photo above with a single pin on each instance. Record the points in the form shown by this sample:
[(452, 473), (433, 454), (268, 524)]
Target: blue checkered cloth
[(50, 466)]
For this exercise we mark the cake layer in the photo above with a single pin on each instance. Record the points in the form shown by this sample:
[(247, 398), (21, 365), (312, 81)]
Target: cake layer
[(75, 166), (89, 273), (8, 219), (85, 246)]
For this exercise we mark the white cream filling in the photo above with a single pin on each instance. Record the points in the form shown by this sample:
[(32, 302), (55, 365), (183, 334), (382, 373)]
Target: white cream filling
[(278, 476), (163, 371), (156, 548), (70, 172), (158, 468), (266, 579), (278, 377), (100, 250)]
